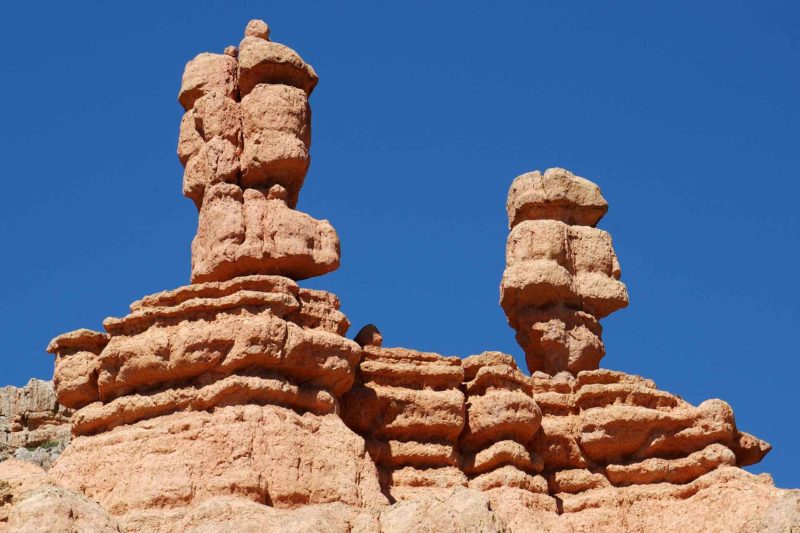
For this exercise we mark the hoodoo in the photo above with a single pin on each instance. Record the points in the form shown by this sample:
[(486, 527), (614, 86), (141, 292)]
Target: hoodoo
[(237, 403), (227, 387), (562, 274)]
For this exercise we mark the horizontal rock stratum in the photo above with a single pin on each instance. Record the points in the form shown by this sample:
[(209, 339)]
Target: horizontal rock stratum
[(237, 403)]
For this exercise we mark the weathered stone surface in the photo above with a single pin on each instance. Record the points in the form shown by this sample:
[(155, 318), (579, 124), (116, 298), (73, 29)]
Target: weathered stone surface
[(239, 381), (410, 408), (276, 121), (254, 232), (208, 73), (457, 510), (502, 418), (77, 364), (500, 415), (576, 480), (676, 471), (727, 499), (605, 428), (263, 326), (31, 501), (504, 452), (244, 142), (257, 28), (556, 194), (509, 476), (262, 61), (34, 427), (561, 274)]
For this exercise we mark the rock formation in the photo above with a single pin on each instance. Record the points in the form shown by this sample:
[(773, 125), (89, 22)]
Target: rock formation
[(33, 425), (237, 403), (502, 419), (605, 428), (172, 401), (561, 273), (244, 141), (410, 408)]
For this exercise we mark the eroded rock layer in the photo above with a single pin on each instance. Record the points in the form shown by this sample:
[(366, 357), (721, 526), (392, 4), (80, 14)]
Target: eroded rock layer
[(239, 380), (409, 407), (604, 428), (561, 274)]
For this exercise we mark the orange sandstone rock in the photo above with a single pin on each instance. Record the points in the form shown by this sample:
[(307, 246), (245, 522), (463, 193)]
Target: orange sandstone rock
[(263, 453), (556, 194), (30, 500), (561, 274), (239, 380), (236, 402), (606, 424), (502, 418), (410, 408), (253, 232), (277, 136), (244, 142), (208, 73)]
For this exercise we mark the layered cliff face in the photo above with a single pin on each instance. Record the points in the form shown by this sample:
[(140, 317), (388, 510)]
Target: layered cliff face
[(237, 402), (410, 408)]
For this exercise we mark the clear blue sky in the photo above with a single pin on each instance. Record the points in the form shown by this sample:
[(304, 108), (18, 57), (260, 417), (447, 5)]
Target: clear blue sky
[(686, 114)]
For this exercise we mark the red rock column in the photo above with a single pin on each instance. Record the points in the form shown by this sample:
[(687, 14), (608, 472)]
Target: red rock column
[(244, 141), (228, 387), (561, 273)]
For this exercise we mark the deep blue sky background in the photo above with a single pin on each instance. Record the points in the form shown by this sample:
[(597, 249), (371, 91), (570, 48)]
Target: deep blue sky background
[(686, 114)]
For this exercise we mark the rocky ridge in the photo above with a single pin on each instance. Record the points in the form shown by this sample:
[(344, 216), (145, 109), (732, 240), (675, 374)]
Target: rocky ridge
[(238, 402)]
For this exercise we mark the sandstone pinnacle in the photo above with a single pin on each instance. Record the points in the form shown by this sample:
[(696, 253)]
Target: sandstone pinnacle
[(562, 274), (246, 131)]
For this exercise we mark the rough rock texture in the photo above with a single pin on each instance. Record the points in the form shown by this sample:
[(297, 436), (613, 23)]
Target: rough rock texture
[(33, 425), (561, 273), (244, 141), (409, 407), (201, 371), (265, 454), (605, 428), (31, 501), (242, 233), (236, 403), (725, 500), (502, 419)]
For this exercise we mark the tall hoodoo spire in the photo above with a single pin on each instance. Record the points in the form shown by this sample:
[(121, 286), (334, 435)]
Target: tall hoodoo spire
[(562, 274), (244, 141)]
